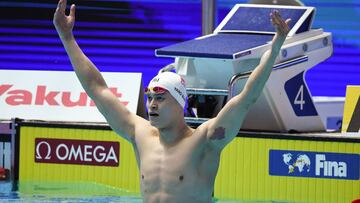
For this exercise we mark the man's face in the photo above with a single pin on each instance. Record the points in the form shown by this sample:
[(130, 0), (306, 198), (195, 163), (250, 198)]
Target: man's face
[(162, 109)]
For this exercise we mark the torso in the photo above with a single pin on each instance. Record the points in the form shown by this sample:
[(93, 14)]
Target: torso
[(182, 172)]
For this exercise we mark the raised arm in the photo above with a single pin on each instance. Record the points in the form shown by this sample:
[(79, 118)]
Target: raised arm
[(224, 128), (118, 116)]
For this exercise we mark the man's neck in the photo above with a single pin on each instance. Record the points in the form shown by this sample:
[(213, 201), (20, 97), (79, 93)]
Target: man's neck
[(172, 134)]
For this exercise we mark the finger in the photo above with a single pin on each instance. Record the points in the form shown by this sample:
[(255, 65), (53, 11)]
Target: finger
[(272, 20), (72, 11), (272, 16), (274, 13), (288, 21), (277, 14), (276, 20), (58, 9), (62, 4), (59, 4), (285, 24)]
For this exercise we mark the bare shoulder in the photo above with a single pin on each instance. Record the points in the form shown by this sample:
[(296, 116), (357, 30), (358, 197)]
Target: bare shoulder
[(143, 127), (144, 132)]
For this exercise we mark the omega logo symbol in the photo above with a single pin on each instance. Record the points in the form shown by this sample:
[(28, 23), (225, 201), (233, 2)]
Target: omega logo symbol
[(38, 155)]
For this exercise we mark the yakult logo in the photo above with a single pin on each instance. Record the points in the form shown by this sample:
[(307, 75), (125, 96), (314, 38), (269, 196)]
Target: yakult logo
[(64, 151), (43, 96)]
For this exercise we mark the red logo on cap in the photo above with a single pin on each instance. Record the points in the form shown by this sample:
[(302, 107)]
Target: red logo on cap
[(182, 81)]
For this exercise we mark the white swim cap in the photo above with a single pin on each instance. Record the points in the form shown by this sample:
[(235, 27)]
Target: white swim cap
[(173, 83)]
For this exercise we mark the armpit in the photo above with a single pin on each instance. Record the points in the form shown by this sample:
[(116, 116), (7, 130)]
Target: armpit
[(218, 134)]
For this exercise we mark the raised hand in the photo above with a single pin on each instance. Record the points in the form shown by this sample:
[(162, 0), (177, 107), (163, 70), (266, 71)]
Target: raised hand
[(281, 25), (282, 30), (64, 24)]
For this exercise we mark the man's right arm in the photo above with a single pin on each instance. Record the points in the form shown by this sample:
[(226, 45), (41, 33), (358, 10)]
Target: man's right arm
[(117, 115)]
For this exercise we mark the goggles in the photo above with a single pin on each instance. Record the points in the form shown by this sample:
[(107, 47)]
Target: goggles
[(155, 90)]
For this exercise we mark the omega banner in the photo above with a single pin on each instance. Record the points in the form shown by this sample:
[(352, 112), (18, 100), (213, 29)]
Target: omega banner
[(58, 95), (83, 152)]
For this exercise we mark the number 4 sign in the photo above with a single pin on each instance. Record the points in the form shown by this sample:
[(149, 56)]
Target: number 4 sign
[(299, 96)]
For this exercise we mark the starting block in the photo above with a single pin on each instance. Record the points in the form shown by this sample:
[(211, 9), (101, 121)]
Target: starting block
[(221, 62)]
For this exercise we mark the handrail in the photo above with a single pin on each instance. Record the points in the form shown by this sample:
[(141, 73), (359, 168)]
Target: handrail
[(201, 91), (196, 120), (234, 79)]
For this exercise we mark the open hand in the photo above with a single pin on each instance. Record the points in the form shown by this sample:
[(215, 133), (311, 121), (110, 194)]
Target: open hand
[(64, 24), (281, 25)]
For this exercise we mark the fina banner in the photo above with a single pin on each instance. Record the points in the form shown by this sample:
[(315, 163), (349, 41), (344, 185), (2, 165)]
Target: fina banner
[(59, 96), (314, 164)]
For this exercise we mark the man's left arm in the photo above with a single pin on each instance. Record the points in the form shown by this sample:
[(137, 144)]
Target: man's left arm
[(226, 125)]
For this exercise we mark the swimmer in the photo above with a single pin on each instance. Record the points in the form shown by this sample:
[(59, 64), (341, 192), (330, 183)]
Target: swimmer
[(176, 163)]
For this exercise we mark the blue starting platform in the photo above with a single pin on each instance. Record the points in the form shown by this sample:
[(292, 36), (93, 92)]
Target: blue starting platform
[(246, 27), (222, 46)]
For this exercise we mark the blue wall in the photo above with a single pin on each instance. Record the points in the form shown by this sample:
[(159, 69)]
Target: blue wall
[(121, 36)]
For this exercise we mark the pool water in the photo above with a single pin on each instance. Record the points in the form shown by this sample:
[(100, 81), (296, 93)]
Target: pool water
[(74, 192), (64, 192)]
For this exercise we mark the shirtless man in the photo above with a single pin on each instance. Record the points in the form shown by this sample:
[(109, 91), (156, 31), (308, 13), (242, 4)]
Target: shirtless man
[(176, 163)]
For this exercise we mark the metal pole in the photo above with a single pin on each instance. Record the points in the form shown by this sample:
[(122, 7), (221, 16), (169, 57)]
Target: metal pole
[(209, 9)]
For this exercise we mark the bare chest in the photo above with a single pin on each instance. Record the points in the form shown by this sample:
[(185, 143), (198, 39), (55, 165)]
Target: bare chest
[(169, 163), (173, 169)]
